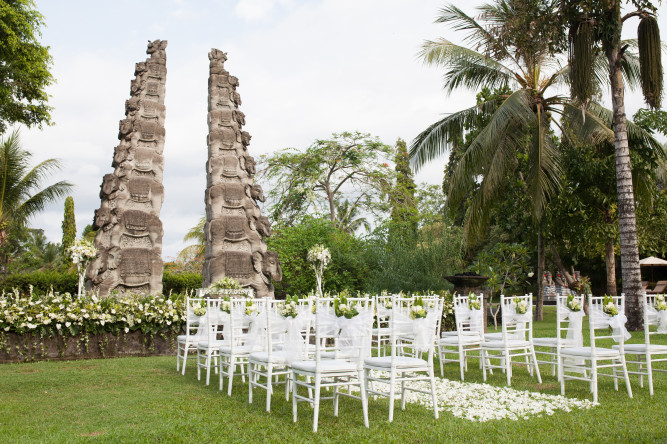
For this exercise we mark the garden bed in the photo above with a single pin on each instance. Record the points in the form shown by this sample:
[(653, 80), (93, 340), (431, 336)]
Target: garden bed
[(33, 347)]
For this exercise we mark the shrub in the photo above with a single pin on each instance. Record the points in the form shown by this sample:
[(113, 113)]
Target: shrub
[(41, 281), (180, 282)]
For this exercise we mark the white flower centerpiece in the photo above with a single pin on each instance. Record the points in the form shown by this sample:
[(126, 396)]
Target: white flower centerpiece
[(608, 306), (520, 306), (660, 304), (473, 302), (417, 311), (82, 253), (289, 308), (343, 308), (320, 257), (572, 303)]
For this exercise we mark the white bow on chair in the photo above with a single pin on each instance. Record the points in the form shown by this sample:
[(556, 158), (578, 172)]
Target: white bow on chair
[(617, 323), (658, 318)]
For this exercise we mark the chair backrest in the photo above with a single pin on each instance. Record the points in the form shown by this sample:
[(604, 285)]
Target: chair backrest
[(430, 300), (564, 318), (192, 321), (653, 317), (515, 325), (406, 321), (465, 324), (230, 293), (234, 331), (349, 339), (599, 320), (216, 317), (383, 309)]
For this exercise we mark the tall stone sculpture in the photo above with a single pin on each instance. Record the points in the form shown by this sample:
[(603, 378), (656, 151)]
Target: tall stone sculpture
[(129, 237), (235, 229)]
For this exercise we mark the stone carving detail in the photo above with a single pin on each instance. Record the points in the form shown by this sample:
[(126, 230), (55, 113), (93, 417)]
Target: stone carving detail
[(235, 229), (129, 237)]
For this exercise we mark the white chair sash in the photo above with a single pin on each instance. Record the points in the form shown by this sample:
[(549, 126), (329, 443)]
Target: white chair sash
[(574, 335), (658, 318), (294, 345), (519, 319), (600, 319), (474, 317), (354, 331), (421, 329), (256, 331)]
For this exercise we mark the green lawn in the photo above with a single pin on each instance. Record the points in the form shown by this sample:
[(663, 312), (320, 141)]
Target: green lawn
[(145, 400)]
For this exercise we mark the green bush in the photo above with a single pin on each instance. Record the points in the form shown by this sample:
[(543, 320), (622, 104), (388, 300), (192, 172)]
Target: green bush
[(347, 269), (180, 282), (41, 281)]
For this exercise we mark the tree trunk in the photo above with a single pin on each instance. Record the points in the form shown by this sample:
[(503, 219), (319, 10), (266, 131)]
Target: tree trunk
[(541, 265), (610, 263), (630, 272)]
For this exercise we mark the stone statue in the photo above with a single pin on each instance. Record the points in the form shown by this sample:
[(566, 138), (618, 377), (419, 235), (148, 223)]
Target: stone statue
[(129, 237), (235, 229)]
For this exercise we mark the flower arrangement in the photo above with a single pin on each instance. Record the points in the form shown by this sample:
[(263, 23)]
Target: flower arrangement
[(289, 307), (250, 308), (199, 311), (660, 304), (343, 308), (53, 313), (81, 253), (572, 303), (226, 283), (520, 306), (320, 257), (474, 302), (417, 310), (608, 306), (225, 305)]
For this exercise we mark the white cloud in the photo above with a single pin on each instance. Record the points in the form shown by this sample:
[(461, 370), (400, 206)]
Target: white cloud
[(254, 9)]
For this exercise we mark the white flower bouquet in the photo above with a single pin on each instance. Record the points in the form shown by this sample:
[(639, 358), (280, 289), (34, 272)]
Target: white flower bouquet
[(660, 304), (250, 308), (474, 302), (320, 257), (226, 283), (608, 306), (289, 308), (520, 306), (343, 308), (572, 303), (417, 310)]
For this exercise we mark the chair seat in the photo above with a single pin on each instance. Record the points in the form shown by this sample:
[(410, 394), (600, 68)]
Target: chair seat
[(189, 338), (587, 351), (214, 344), (641, 348), (382, 331), (277, 357), (500, 345), (465, 340), (326, 366), (340, 354), (240, 350), (493, 336), (400, 361), (551, 342), (444, 334)]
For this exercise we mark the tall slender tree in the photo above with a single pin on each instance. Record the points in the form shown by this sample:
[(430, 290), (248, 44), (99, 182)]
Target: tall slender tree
[(69, 229), (404, 213), (596, 27)]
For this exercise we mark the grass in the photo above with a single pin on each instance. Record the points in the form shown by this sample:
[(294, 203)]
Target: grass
[(145, 400)]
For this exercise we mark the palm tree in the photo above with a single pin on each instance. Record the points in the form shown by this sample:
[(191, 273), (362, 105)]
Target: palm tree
[(517, 42), (21, 193), (595, 27), (195, 234), (347, 217)]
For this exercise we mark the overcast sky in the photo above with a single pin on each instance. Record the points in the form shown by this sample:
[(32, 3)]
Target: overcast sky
[(307, 68)]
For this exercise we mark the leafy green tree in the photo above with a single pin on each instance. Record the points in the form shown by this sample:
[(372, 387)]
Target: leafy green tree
[(88, 233), (69, 228), (24, 66), (348, 166), (196, 235), (507, 266), (347, 269), (21, 192), (404, 212), (595, 27), (349, 219)]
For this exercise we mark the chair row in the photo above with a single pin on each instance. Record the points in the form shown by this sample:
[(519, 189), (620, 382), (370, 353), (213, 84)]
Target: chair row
[(313, 344)]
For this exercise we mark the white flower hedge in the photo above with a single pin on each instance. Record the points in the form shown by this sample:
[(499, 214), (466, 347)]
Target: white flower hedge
[(64, 314)]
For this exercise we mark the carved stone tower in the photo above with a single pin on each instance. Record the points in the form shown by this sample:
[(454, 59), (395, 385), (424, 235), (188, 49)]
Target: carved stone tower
[(129, 237), (235, 229)]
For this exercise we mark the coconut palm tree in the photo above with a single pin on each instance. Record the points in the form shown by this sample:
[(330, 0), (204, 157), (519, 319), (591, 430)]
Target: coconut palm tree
[(21, 192), (595, 28), (347, 217), (196, 235), (516, 46)]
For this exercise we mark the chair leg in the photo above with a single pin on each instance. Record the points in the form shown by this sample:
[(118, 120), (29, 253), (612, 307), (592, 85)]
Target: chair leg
[(625, 376), (462, 361), (294, 402), (316, 403), (335, 397), (433, 394), (402, 390), (198, 365), (641, 375), (364, 395), (251, 380), (392, 382), (208, 368), (269, 386), (561, 375), (230, 369), (483, 352), (440, 355), (613, 370), (178, 357), (553, 362), (594, 379), (220, 378), (508, 368), (527, 359), (537, 368), (185, 358), (649, 371)]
